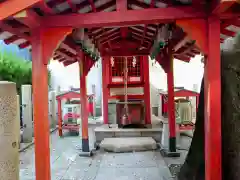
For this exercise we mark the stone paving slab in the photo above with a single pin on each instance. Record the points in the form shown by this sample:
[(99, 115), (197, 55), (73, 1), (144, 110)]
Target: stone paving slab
[(128, 144), (66, 164)]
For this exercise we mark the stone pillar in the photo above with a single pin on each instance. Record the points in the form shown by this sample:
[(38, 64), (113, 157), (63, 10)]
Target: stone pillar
[(160, 106), (94, 99), (52, 109), (27, 113), (9, 132), (18, 120)]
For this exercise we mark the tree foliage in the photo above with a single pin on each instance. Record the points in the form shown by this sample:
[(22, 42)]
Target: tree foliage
[(16, 69)]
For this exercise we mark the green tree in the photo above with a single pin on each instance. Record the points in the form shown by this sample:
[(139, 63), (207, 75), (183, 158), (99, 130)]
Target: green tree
[(16, 69)]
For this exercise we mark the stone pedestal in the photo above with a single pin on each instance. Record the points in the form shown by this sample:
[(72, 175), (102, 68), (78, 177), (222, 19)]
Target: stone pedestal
[(9, 132), (52, 109), (27, 113), (165, 135)]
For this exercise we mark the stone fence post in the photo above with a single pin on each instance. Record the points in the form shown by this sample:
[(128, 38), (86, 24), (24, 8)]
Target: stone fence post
[(52, 109), (9, 132), (27, 113)]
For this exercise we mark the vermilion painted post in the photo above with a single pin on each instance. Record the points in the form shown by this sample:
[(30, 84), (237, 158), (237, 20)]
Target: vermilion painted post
[(171, 107), (84, 104), (40, 108), (105, 91), (148, 107), (212, 83), (44, 42), (60, 118)]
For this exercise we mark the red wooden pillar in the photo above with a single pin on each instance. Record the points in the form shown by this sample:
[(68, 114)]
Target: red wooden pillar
[(84, 102), (105, 90), (60, 117), (44, 41), (212, 83), (171, 106), (148, 107)]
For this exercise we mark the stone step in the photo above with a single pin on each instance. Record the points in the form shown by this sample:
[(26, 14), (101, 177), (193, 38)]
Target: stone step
[(128, 144)]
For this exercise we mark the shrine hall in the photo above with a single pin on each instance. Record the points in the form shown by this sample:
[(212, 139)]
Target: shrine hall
[(123, 34)]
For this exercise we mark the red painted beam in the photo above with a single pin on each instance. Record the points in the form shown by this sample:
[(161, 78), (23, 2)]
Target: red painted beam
[(92, 5), (182, 57), (72, 59), (119, 18), (186, 50), (124, 45), (67, 62), (11, 39), (14, 31), (29, 18), (72, 6), (152, 5), (223, 6), (11, 7), (227, 32), (56, 57), (24, 45), (235, 22), (105, 34), (181, 43), (126, 53), (110, 39)]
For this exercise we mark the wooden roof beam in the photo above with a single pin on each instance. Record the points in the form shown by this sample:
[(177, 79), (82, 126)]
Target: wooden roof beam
[(14, 31), (94, 9), (183, 57), (67, 63), (72, 6), (62, 54), (152, 5), (125, 53), (92, 5), (110, 39), (29, 18), (24, 45), (106, 33), (119, 18), (222, 6), (11, 7), (181, 43), (121, 6)]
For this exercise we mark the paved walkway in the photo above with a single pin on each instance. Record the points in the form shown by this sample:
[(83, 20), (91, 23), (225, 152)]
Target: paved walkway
[(67, 165)]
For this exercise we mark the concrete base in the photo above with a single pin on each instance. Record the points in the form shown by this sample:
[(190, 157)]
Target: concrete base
[(112, 131), (128, 144), (86, 154), (165, 135), (167, 153)]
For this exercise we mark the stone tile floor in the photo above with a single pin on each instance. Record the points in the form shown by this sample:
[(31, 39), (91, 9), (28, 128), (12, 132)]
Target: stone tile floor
[(67, 165)]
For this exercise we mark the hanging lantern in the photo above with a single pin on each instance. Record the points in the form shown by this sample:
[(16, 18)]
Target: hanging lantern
[(112, 61), (134, 62)]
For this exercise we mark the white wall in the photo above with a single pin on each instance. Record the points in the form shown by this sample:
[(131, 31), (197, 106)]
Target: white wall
[(185, 74), (69, 76)]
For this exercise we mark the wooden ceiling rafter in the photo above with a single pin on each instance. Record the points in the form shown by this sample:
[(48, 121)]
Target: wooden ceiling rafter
[(143, 34), (29, 18)]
